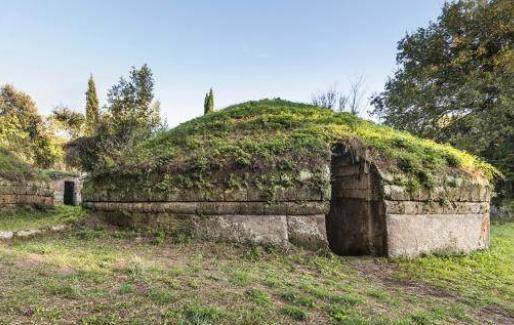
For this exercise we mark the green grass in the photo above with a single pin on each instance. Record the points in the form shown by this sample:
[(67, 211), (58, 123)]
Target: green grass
[(109, 276), (14, 169), (54, 174), (25, 219), (267, 144), (490, 271)]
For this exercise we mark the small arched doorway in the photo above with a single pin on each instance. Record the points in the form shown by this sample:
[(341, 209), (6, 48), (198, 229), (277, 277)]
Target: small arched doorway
[(356, 219)]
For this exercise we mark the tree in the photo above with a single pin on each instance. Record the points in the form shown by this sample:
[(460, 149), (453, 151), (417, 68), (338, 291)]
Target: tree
[(352, 101), (71, 121), (92, 107), (455, 81), (355, 97), (130, 103), (208, 105), (131, 115), (328, 98), (23, 129)]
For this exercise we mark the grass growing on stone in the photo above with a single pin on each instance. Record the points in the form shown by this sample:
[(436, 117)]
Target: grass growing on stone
[(29, 219), (109, 276), (55, 174), (271, 142)]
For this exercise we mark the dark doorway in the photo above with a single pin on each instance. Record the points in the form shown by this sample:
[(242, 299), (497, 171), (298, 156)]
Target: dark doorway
[(69, 191), (355, 223)]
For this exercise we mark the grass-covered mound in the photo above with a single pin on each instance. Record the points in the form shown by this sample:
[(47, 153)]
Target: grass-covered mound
[(272, 145), (13, 169)]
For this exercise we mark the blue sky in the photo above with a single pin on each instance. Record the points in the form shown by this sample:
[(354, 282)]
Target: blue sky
[(244, 49)]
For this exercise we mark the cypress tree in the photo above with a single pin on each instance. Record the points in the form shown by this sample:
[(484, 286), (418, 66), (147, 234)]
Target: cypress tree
[(208, 105), (91, 107)]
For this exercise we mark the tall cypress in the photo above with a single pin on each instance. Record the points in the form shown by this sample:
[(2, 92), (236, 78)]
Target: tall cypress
[(92, 109), (208, 105)]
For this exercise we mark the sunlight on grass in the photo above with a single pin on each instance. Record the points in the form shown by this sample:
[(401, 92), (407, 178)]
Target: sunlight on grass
[(24, 219), (93, 276), (490, 271)]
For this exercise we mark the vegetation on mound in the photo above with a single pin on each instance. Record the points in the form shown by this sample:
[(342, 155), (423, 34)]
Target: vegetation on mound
[(13, 169), (55, 174), (272, 141)]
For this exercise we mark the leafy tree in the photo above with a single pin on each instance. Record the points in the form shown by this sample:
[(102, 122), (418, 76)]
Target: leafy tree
[(72, 121), (92, 108), (131, 116), (455, 81), (131, 107), (208, 105), (23, 130)]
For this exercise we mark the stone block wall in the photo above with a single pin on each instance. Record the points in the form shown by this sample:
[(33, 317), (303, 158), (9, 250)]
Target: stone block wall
[(422, 225), (355, 223), (368, 215), (57, 186), (17, 194), (277, 223), (356, 211)]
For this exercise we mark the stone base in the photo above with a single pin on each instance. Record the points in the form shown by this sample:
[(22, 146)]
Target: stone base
[(414, 235), (302, 230), (256, 229)]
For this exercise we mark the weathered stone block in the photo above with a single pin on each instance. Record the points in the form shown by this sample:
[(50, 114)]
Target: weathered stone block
[(242, 228), (413, 235), (307, 230), (434, 207), (307, 208)]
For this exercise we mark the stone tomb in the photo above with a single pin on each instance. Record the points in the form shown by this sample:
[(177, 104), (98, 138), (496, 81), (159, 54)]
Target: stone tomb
[(362, 213)]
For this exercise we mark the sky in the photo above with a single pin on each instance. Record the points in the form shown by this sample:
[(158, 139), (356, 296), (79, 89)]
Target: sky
[(244, 49)]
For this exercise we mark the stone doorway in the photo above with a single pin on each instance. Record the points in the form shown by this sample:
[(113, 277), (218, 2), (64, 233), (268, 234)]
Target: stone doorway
[(69, 193), (356, 219)]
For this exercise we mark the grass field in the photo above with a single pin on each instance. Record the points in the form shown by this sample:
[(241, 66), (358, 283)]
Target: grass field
[(108, 276), (30, 219)]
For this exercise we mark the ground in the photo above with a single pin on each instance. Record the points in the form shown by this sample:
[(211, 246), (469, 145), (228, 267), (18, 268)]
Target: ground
[(27, 219), (102, 275)]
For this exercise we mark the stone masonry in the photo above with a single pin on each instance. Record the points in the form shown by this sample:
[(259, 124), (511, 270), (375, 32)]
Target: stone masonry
[(359, 211)]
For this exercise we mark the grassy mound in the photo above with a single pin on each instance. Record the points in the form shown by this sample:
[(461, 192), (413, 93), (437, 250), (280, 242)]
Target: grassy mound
[(13, 169), (273, 141)]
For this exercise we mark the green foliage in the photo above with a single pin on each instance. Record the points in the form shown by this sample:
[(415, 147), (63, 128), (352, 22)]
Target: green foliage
[(259, 297), (13, 169), (23, 130), (161, 297), (92, 108), (72, 121), (208, 105), (131, 115), (131, 110), (266, 145), (456, 82)]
